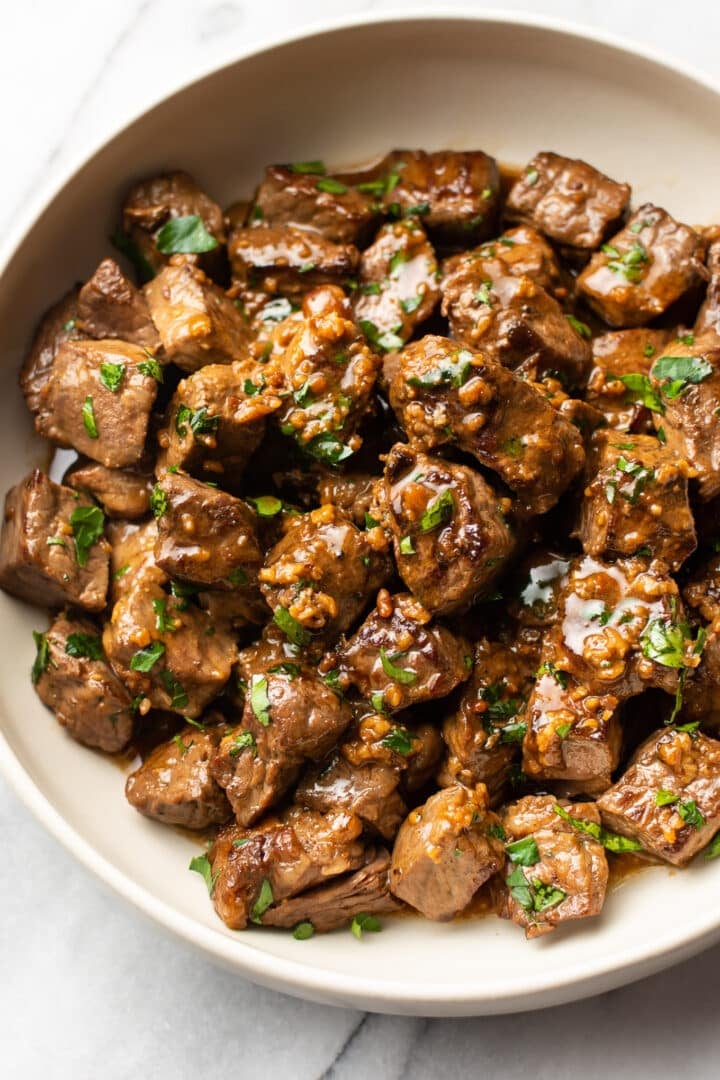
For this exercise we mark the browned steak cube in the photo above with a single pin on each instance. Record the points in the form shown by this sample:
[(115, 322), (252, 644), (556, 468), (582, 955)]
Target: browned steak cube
[(285, 261), (319, 577), (289, 196), (485, 727), (526, 253), (206, 536), (617, 384), (111, 306), (568, 200), (454, 193), (398, 283), (73, 678), (511, 319), (636, 499), (708, 318), (174, 784), (196, 321), (669, 797), (254, 868), (450, 536), (213, 424), (57, 326), (448, 395), (557, 872), (445, 850), (153, 202), (369, 790), (686, 379), (537, 587), (398, 657), (98, 401), (124, 493), (133, 550), (353, 493), (52, 550), (644, 268)]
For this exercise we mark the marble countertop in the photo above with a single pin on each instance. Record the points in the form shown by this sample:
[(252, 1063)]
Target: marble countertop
[(88, 987)]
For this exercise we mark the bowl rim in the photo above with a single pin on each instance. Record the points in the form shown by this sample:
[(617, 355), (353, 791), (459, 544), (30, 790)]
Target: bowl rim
[(573, 981)]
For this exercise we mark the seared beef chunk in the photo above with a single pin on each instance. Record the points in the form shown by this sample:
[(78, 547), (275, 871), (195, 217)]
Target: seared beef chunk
[(330, 373), (98, 401), (398, 283), (617, 382), (132, 552), (124, 493), (351, 493), (525, 253), (174, 784), (669, 798), (286, 262), (339, 212), (364, 892), (448, 395), (152, 203), (52, 550), (445, 850), (166, 649), (511, 319), (320, 576), (648, 265), (57, 326), (110, 306), (213, 425), (197, 323), (562, 875), (568, 200), (369, 790), (74, 679), (708, 318), (454, 193), (702, 692), (207, 537), (484, 730), (450, 536), (636, 500), (686, 380), (398, 657), (281, 858), (540, 579)]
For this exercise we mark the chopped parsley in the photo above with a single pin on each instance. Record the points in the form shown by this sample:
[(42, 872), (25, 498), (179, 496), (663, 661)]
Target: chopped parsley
[(266, 505), (452, 370), (145, 659), (332, 186), (88, 646), (362, 922), (163, 622), (175, 690), (327, 448), (186, 235), (303, 931), (42, 657), (404, 676), (263, 901), (245, 740), (411, 304), (386, 340), (676, 374), (523, 852), (438, 512), (151, 368), (198, 420), (259, 700), (158, 501), (580, 327), (200, 864), (125, 244), (627, 263), (111, 375), (399, 740), (611, 841), (88, 524), (291, 628), (88, 416), (640, 390), (316, 168), (406, 546), (667, 642), (548, 668)]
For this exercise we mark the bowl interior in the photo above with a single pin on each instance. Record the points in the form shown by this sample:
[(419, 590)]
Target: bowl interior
[(348, 95)]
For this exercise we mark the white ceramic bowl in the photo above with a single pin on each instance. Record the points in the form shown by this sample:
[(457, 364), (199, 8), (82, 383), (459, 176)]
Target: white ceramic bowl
[(345, 94)]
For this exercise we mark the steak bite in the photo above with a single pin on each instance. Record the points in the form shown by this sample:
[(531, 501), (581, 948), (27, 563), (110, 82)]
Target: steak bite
[(636, 499), (73, 678), (445, 850), (669, 797), (617, 383), (708, 317), (330, 373), (645, 268), (450, 536), (98, 401), (110, 306), (485, 727), (686, 379), (52, 550), (320, 576), (568, 200), (369, 790), (213, 425), (398, 658), (455, 193), (446, 395), (537, 587), (351, 493), (398, 283), (124, 493), (525, 253), (558, 872), (196, 321), (511, 319), (328, 907), (132, 552), (254, 869), (286, 262), (207, 537), (340, 213), (58, 325), (174, 784), (165, 649), (701, 698), (153, 203)]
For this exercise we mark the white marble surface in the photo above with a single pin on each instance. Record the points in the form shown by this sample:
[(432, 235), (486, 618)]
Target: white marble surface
[(88, 988)]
